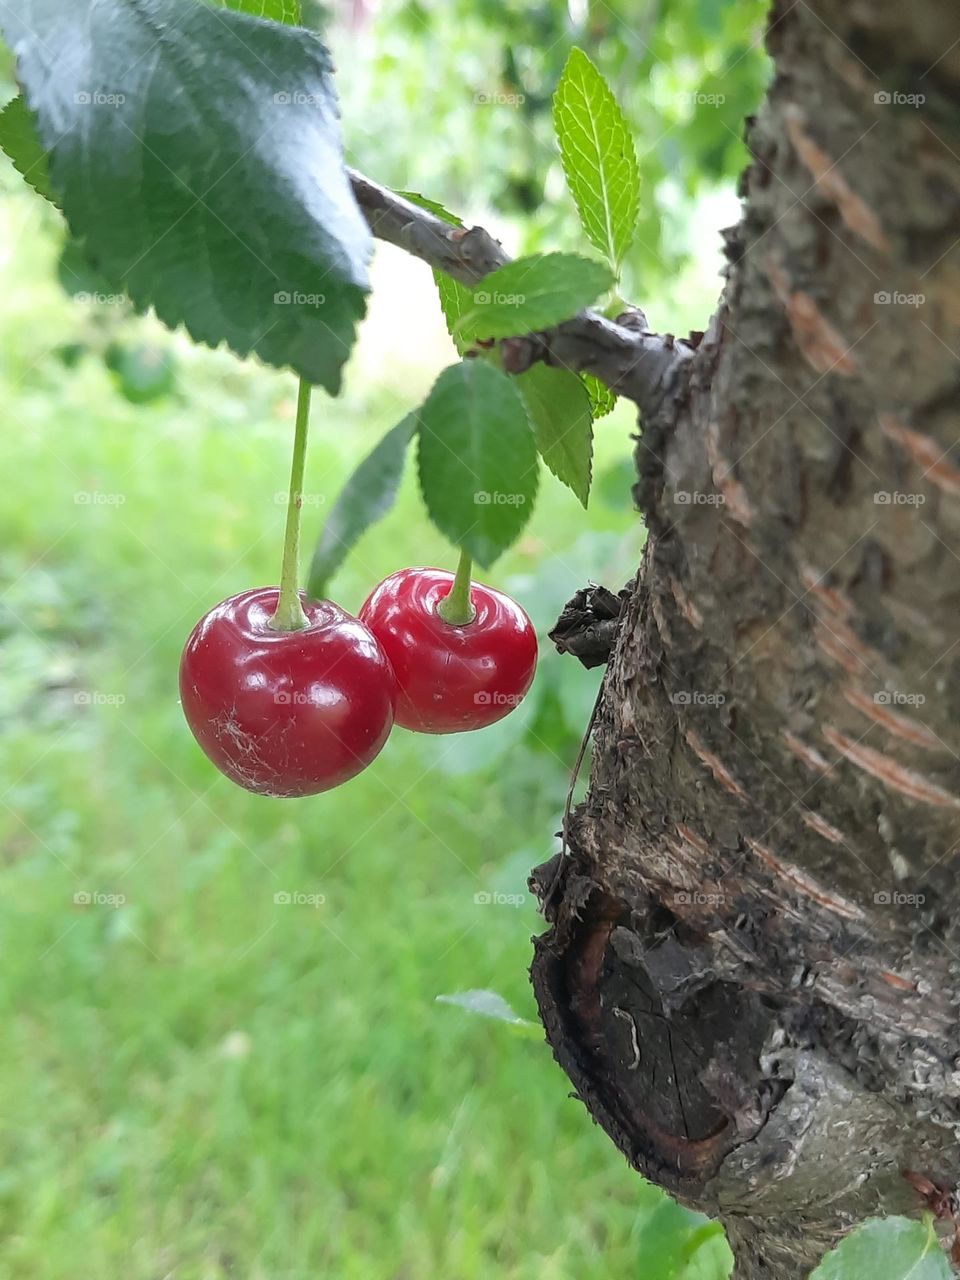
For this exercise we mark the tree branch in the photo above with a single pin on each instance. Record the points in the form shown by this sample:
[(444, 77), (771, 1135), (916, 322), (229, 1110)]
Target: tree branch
[(643, 366)]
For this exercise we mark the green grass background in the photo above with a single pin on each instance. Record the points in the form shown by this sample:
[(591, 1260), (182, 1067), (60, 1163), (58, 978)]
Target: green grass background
[(200, 1082)]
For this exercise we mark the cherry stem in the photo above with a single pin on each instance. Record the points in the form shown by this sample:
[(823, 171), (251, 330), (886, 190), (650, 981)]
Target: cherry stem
[(289, 615), (457, 607)]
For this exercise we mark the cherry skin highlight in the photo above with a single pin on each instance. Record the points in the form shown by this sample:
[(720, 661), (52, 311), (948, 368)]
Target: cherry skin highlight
[(451, 678), (286, 713)]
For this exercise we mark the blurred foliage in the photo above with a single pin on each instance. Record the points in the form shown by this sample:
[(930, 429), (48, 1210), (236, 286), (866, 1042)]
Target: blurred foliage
[(466, 87)]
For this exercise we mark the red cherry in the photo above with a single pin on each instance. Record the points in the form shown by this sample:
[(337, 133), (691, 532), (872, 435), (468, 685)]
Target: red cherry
[(451, 678), (286, 713)]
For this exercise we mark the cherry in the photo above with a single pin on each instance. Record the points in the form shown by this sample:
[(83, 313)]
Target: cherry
[(286, 713), (451, 676)]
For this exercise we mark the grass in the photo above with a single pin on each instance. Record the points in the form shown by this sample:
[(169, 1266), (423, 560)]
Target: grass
[(202, 1081)]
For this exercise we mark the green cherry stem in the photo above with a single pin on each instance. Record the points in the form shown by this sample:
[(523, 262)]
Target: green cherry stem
[(289, 615), (457, 607)]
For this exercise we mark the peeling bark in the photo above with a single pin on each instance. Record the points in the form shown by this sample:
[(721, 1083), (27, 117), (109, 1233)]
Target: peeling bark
[(752, 974)]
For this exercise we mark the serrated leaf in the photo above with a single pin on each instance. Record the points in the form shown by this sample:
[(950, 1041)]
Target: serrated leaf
[(477, 459), (455, 298), (455, 301), (559, 411), (21, 142), (602, 399), (203, 181), (533, 293), (366, 497), (598, 156), (286, 11), (887, 1249)]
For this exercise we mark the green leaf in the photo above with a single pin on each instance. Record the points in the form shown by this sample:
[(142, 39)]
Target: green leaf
[(477, 459), (287, 11), (559, 411), (602, 399), (598, 156), (533, 293), (21, 142), (887, 1249), (706, 1255), (455, 298), (202, 179), (455, 301), (365, 498)]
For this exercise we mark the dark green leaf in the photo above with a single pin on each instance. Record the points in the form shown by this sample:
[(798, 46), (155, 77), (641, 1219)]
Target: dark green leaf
[(887, 1249), (365, 498), (477, 459), (559, 410), (21, 142), (533, 293), (432, 206), (598, 155), (602, 399), (287, 11), (196, 152)]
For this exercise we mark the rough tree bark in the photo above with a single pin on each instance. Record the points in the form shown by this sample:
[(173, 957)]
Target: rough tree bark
[(752, 974)]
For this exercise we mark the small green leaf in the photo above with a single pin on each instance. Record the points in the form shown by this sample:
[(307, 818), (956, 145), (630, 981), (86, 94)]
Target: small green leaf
[(21, 142), (598, 156), (602, 399), (365, 498), (559, 410), (196, 153), (887, 1249), (286, 11), (455, 298), (533, 293), (477, 459)]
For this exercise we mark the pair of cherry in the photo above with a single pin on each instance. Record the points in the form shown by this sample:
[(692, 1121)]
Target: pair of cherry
[(294, 712)]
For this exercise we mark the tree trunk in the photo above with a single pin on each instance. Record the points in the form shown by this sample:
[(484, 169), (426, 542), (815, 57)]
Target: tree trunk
[(752, 973)]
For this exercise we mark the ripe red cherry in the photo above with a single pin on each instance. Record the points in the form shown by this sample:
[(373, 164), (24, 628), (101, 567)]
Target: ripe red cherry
[(286, 713), (451, 678)]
